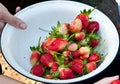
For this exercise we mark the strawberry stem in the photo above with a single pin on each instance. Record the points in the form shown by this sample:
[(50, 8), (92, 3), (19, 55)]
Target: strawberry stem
[(37, 48), (102, 58), (59, 58), (55, 75), (71, 36), (43, 29), (100, 47), (39, 42), (56, 58), (84, 69)]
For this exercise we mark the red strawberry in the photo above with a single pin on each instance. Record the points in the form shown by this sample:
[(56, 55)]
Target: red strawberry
[(58, 44), (66, 73), (94, 43), (91, 66), (84, 18), (54, 66), (72, 47), (37, 70), (34, 58), (67, 56), (84, 52), (67, 53), (75, 54), (93, 27), (47, 60), (64, 28), (76, 25), (77, 66), (85, 56), (115, 82), (47, 43), (93, 57), (79, 36)]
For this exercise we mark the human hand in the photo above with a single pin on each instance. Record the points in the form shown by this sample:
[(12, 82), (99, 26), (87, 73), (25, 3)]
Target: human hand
[(107, 80), (6, 17)]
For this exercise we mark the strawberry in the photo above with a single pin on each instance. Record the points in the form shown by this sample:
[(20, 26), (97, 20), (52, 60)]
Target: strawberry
[(34, 58), (54, 66), (66, 73), (85, 56), (63, 29), (92, 27), (72, 47), (75, 54), (37, 70), (90, 66), (47, 60), (77, 66), (79, 36), (93, 57), (84, 19), (58, 44), (84, 52), (94, 43), (115, 82), (67, 53), (76, 25), (47, 43)]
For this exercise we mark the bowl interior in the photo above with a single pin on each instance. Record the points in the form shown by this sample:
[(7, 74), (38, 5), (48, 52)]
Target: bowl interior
[(15, 43)]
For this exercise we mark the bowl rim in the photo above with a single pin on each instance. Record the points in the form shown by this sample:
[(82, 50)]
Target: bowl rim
[(49, 80)]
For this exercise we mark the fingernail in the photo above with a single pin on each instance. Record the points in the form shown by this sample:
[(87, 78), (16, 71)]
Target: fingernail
[(23, 26), (17, 9)]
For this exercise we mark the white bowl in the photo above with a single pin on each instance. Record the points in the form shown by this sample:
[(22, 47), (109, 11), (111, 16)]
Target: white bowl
[(15, 43)]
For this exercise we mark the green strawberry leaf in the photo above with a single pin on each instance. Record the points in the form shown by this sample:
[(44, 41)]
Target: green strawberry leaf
[(87, 12), (55, 75), (46, 71), (55, 32), (102, 58), (37, 48), (85, 71), (59, 58)]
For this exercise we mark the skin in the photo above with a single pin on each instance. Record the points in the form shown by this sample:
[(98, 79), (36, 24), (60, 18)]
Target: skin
[(7, 17), (107, 80)]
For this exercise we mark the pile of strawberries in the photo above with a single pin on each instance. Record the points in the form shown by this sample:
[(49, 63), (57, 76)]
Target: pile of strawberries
[(69, 50)]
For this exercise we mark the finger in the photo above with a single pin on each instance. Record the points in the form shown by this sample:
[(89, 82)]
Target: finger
[(9, 18), (110, 79), (14, 21), (107, 80), (1, 25), (18, 9)]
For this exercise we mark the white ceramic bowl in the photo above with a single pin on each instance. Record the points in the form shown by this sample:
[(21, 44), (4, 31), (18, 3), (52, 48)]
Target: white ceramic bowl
[(15, 43)]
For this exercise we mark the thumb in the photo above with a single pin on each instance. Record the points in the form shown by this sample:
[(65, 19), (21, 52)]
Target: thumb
[(113, 78), (107, 80), (14, 21), (9, 18)]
